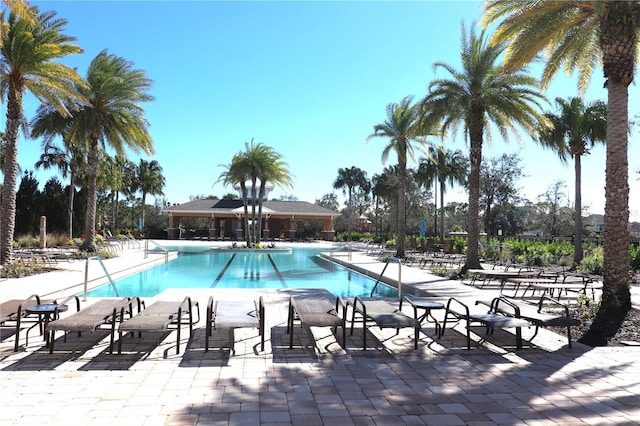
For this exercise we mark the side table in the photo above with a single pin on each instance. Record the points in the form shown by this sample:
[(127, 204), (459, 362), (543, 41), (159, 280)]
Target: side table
[(46, 312)]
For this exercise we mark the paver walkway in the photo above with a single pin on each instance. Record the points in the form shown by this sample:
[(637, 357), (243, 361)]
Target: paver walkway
[(315, 383)]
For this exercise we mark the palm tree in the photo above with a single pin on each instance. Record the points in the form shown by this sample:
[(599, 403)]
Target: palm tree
[(576, 128), (27, 63), (579, 35), (236, 173), (67, 160), (480, 93), (274, 170), (348, 179), (113, 115), (150, 180), (442, 166), (404, 128)]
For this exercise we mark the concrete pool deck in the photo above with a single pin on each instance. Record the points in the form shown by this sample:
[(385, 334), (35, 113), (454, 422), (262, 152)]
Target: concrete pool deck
[(318, 383)]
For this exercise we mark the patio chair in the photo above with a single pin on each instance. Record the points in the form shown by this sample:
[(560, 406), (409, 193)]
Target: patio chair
[(14, 311), (159, 317), (384, 315), (316, 312), (105, 312), (234, 314)]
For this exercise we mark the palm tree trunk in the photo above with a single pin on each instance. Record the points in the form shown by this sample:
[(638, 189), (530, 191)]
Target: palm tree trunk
[(89, 243), (144, 197), (616, 297), (473, 258), (349, 216), (442, 183), (263, 184), (243, 187), (8, 223), (577, 239), (402, 222), (72, 193)]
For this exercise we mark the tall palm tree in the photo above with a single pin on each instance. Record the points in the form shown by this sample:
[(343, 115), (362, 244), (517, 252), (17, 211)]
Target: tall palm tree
[(580, 35), (150, 180), (237, 173), (442, 166), (404, 128), (575, 129), (274, 170), (27, 63), (348, 179), (67, 160), (482, 92), (114, 116)]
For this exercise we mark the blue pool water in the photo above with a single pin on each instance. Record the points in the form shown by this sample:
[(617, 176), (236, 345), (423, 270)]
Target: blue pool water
[(260, 269)]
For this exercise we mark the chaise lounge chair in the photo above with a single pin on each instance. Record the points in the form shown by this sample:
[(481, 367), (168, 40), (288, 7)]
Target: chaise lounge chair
[(106, 312), (234, 314), (316, 312), (159, 317), (384, 315), (15, 312)]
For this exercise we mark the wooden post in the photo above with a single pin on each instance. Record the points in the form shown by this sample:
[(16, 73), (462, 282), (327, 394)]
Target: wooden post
[(43, 232)]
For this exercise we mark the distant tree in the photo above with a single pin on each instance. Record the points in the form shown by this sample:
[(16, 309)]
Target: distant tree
[(28, 205), (576, 128), (551, 205), (499, 177), (150, 180), (442, 166), (54, 201), (230, 196), (329, 201), (351, 179), (289, 197), (405, 131)]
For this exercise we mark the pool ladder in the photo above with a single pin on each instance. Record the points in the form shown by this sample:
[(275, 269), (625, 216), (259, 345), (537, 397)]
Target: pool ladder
[(390, 259), (164, 250), (104, 268)]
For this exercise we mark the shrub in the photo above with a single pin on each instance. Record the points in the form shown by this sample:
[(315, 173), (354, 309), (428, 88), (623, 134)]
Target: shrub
[(593, 261)]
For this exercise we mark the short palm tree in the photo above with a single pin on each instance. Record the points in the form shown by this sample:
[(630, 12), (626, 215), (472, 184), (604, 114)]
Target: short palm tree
[(27, 63), (580, 35), (257, 163), (405, 131), (442, 166), (349, 179), (574, 130), (113, 115), (479, 94), (150, 180)]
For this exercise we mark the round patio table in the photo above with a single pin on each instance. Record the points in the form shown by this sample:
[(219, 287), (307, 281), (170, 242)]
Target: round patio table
[(46, 312)]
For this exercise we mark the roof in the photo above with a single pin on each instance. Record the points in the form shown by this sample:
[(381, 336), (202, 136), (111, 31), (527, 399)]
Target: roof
[(302, 208)]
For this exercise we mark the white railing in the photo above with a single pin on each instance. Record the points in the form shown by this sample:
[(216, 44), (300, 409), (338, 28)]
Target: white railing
[(164, 249), (104, 268)]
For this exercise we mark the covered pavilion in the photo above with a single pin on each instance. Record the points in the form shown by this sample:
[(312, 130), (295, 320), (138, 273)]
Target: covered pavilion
[(226, 219)]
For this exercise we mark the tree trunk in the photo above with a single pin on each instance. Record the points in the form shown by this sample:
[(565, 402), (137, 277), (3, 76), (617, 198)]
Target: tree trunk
[(263, 185), (616, 297), (473, 258), (89, 243), (243, 186), (8, 223), (402, 220), (144, 198), (442, 185), (72, 193), (577, 238)]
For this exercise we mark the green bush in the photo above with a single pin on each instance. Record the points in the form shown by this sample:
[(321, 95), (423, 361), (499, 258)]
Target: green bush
[(634, 257), (593, 261)]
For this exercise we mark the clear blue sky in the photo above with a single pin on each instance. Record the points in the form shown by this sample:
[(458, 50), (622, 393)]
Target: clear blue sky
[(310, 79)]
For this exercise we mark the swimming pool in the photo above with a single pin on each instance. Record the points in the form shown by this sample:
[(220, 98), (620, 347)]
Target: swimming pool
[(215, 267)]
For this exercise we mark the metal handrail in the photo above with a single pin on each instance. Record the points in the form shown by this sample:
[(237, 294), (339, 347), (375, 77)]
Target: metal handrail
[(164, 249), (389, 259), (104, 268)]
